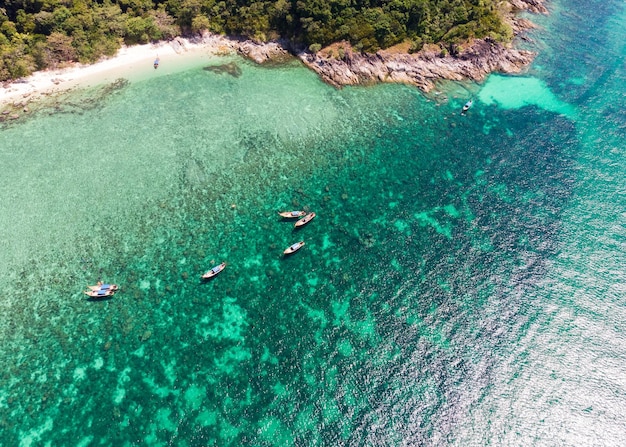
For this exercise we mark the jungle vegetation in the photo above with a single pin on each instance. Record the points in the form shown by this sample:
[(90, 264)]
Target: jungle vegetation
[(39, 34)]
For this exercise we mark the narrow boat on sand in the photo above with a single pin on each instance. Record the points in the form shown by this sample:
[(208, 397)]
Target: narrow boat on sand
[(467, 106), (214, 271), (305, 220), (100, 293), (294, 248), (292, 214)]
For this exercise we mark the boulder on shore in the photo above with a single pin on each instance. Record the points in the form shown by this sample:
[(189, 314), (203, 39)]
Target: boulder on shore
[(263, 52)]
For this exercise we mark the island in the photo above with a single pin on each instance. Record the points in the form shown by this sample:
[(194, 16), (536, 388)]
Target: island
[(416, 42)]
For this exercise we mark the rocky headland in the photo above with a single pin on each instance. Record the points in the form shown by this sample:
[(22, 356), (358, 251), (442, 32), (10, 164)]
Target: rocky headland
[(340, 65)]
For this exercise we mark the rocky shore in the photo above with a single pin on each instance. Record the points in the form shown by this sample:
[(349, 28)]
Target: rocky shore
[(422, 69), (340, 65)]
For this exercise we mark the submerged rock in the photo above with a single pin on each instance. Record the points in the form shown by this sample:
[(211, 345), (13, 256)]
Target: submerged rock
[(145, 336), (231, 69)]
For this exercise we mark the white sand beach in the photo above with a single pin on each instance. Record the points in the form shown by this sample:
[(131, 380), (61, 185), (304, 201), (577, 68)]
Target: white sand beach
[(133, 61)]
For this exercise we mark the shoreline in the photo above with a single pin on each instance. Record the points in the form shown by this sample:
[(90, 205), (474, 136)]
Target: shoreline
[(339, 65), (128, 61), (336, 65)]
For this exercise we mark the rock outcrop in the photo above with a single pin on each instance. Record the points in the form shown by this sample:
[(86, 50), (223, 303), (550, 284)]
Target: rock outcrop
[(263, 53), (259, 52), (422, 69), (340, 65), (535, 6)]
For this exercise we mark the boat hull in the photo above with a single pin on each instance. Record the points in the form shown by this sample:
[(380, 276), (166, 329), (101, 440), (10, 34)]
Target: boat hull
[(98, 294), (305, 220), (214, 272), (112, 287), (294, 248), (466, 107), (292, 214)]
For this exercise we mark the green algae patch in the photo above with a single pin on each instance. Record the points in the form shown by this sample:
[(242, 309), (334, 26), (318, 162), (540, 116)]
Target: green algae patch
[(340, 310), (194, 396), (451, 210), (344, 347), (425, 219), (366, 328), (207, 418), (230, 360), (402, 226)]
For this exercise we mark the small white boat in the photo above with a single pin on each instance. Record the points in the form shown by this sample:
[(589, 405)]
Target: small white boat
[(103, 286), (100, 293), (294, 248), (467, 106), (292, 214), (214, 271), (305, 220)]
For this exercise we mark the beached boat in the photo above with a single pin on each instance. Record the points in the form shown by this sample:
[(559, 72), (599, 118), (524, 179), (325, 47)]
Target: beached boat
[(292, 214), (99, 293), (305, 220), (214, 271), (103, 286), (294, 248), (467, 106)]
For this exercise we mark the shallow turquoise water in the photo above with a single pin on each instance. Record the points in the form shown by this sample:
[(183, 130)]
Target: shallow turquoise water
[(461, 285)]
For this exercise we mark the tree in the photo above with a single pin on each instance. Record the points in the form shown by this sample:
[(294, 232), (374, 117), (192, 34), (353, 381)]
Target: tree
[(56, 50), (200, 23), (140, 30), (39, 33)]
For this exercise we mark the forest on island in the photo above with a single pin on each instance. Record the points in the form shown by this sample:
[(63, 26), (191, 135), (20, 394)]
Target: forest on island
[(40, 34)]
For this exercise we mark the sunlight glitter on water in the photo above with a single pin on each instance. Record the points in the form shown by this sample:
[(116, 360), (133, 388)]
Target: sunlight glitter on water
[(460, 285)]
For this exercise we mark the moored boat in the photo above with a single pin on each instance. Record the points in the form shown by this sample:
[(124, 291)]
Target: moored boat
[(214, 271), (292, 214), (99, 293), (305, 220), (103, 286), (294, 248), (467, 106)]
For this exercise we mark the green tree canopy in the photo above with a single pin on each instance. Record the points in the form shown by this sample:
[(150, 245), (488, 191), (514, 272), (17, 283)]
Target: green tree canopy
[(36, 34)]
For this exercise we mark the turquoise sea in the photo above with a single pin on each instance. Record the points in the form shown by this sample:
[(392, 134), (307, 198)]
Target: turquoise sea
[(463, 283)]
